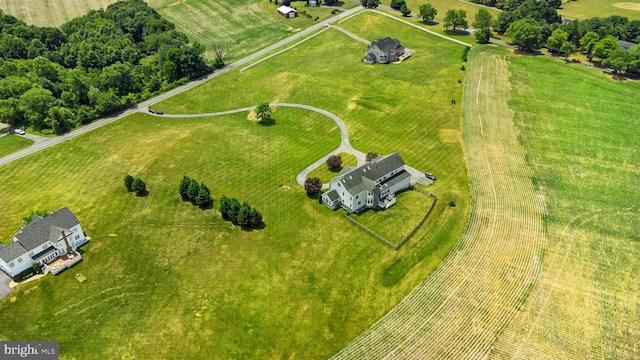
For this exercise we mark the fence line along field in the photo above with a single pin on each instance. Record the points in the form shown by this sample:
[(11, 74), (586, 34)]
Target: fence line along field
[(461, 309), (585, 151)]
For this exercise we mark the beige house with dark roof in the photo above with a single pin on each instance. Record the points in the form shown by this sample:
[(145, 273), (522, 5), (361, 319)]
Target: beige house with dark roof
[(44, 241), (368, 186)]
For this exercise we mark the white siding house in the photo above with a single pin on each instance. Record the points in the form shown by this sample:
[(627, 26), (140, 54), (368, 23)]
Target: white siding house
[(368, 186), (42, 242)]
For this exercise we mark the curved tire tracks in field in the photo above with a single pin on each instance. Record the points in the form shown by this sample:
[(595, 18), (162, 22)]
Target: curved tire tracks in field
[(461, 309)]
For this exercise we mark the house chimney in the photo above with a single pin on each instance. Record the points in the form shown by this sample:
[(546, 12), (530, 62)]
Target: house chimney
[(64, 236)]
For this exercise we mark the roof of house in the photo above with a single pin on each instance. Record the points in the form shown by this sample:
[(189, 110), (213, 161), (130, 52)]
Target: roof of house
[(362, 177), (46, 229), (11, 252), (285, 9), (333, 195), (386, 44), (626, 44)]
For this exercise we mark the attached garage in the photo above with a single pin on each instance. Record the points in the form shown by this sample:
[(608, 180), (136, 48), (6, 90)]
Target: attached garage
[(287, 12)]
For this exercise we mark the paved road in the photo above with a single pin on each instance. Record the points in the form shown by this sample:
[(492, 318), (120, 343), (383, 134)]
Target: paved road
[(5, 289), (48, 142)]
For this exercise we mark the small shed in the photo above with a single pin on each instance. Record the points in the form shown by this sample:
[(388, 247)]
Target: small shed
[(287, 12)]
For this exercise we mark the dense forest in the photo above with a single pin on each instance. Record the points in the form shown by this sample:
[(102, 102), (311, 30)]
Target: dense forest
[(54, 79)]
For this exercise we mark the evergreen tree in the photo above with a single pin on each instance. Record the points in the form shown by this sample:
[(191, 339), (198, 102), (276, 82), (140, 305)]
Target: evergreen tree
[(184, 187), (128, 182), (139, 187), (234, 208), (203, 199), (243, 215), (224, 207), (255, 218), (192, 190)]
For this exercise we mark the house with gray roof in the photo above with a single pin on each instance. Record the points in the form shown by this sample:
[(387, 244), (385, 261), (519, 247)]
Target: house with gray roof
[(384, 51), (44, 241), (372, 185), (626, 45)]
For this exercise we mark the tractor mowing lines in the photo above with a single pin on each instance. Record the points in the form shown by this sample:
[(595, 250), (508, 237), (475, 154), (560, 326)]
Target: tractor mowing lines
[(461, 309)]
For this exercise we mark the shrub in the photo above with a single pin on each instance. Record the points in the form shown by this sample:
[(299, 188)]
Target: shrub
[(371, 156), (334, 162), (312, 186)]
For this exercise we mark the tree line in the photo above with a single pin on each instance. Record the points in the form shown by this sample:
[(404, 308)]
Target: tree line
[(532, 24), (54, 79)]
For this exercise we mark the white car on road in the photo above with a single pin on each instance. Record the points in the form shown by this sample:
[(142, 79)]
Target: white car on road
[(19, 131)]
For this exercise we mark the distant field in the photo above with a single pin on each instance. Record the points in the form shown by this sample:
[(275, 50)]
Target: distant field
[(584, 9), (165, 278), (243, 26), (12, 143), (585, 150), (443, 5)]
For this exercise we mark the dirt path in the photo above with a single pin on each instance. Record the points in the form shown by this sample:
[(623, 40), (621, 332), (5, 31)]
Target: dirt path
[(460, 309)]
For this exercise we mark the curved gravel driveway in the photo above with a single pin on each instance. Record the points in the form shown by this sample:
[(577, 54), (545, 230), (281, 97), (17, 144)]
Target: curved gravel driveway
[(345, 145)]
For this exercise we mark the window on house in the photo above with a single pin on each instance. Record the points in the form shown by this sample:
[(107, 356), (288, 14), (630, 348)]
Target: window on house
[(19, 260), (77, 237), (11, 264), (358, 202), (44, 246)]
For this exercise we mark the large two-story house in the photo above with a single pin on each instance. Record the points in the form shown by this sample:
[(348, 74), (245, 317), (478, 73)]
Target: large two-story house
[(384, 51), (43, 241), (372, 185)]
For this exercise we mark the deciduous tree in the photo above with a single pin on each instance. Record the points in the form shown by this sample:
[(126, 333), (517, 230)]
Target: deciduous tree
[(483, 19), (334, 162), (455, 19), (525, 33), (427, 12), (312, 186), (371, 156), (263, 112)]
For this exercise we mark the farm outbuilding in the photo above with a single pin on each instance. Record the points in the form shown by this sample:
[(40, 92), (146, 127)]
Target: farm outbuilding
[(287, 12)]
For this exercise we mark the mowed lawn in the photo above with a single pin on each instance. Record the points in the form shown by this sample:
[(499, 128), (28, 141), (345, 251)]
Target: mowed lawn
[(167, 280), (585, 9), (580, 131), (12, 143)]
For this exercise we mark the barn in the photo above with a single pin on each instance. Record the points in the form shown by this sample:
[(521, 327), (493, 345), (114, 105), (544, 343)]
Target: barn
[(287, 12)]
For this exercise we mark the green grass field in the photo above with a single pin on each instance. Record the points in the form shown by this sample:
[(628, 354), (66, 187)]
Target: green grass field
[(13, 143), (167, 280), (396, 222), (444, 5), (585, 152), (584, 9)]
